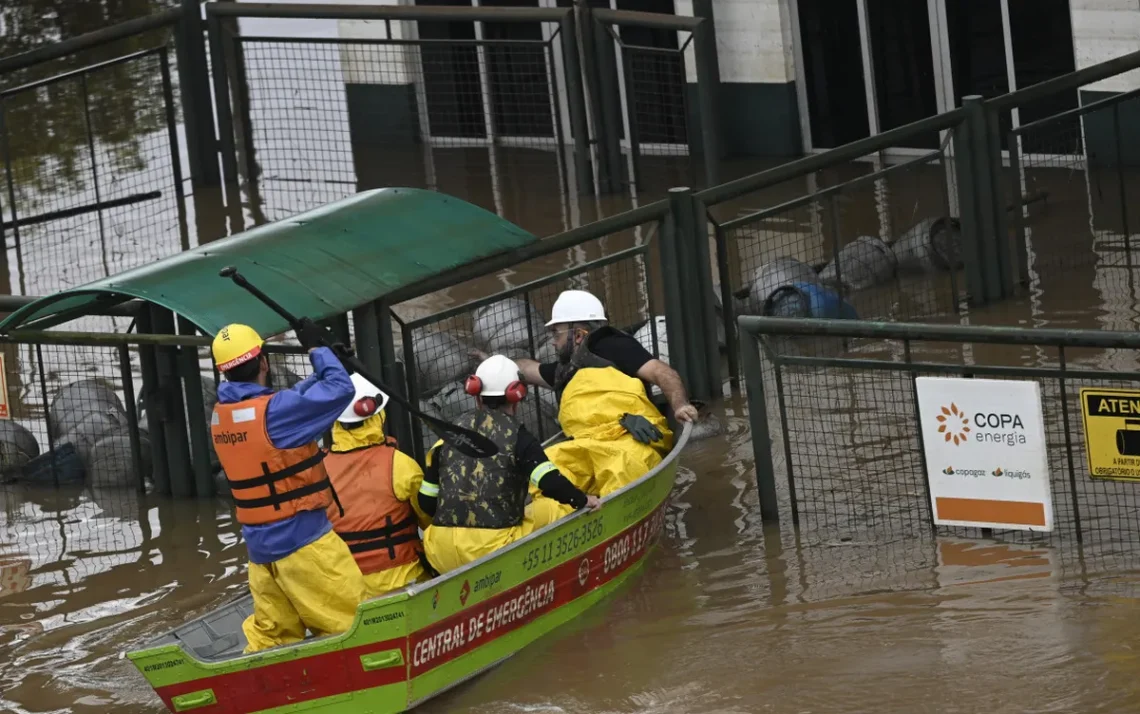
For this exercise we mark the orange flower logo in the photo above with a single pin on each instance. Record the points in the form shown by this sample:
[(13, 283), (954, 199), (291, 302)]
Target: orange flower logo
[(953, 424)]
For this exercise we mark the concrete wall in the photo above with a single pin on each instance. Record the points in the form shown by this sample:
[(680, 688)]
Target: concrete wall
[(757, 71), (1102, 30)]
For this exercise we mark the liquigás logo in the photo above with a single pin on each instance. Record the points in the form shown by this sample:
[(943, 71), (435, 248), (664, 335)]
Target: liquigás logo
[(957, 425)]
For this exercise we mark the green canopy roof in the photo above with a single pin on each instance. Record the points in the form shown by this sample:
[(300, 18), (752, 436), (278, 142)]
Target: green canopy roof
[(320, 263)]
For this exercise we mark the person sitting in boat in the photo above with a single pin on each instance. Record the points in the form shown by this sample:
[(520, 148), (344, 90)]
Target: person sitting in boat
[(378, 486), (602, 380), (479, 505), (301, 574)]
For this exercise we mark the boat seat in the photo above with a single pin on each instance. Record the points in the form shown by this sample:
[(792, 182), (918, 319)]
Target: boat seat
[(215, 636)]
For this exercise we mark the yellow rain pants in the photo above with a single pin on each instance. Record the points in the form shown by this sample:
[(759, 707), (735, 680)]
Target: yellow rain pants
[(317, 587), (602, 456), (451, 547), (385, 581)]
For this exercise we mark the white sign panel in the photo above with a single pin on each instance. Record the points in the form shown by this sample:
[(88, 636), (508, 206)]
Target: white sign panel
[(985, 453)]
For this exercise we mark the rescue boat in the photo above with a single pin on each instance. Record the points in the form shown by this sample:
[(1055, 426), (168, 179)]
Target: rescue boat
[(413, 644)]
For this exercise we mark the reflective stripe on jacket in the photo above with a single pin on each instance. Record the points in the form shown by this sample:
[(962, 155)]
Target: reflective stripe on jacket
[(268, 484)]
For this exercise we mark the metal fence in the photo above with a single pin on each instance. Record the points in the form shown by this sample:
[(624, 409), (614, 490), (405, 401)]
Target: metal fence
[(1074, 173), (93, 186), (833, 410), (512, 322), (482, 103)]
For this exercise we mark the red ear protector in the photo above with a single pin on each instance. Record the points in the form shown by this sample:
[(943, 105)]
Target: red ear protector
[(365, 406), (516, 390)]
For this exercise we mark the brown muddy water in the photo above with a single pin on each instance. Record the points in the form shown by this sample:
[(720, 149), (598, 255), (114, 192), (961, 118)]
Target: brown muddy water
[(726, 616)]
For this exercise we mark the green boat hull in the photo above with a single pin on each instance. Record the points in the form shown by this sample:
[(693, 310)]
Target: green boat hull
[(409, 646)]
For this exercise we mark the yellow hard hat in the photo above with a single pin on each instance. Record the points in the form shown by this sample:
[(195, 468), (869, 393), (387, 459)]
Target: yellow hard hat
[(236, 344)]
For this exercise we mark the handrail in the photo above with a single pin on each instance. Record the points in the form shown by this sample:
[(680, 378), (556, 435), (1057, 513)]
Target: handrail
[(653, 20), (1073, 80), (839, 155), (561, 241), (1078, 111), (927, 332), (386, 12), (91, 39)]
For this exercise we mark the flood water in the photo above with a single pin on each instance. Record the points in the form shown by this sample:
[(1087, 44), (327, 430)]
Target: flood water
[(726, 616)]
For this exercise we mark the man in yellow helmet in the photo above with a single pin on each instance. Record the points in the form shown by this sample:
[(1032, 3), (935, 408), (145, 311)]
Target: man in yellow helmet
[(301, 574)]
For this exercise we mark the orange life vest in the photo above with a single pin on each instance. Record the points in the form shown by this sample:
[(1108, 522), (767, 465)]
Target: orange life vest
[(268, 484), (380, 530)]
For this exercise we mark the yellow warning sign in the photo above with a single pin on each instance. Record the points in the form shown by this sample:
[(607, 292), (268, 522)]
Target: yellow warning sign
[(1112, 432)]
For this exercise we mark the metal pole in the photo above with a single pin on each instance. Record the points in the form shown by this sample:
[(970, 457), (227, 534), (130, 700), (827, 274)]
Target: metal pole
[(728, 307), (670, 256), (758, 420), (1120, 178), (708, 88), (175, 152), (132, 414), (576, 101), (196, 414), (387, 355), (631, 112), (11, 192), (47, 417), (148, 360), (1014, 183), (609, 100), (704, 305), (965, 169), (173, 410), (220, 67), (195, 86), (413, 387), (94, 171)]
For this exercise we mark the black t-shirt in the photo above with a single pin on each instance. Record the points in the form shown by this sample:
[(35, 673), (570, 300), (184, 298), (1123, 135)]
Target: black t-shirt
[(621, 348)]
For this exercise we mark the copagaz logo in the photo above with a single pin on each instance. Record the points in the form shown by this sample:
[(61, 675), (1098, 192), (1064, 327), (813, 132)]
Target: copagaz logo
[(997, 472), (949, 470), (953, 424)]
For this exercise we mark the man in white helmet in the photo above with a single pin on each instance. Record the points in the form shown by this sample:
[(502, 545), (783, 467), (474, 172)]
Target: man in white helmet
[(377, 486), (479, 505), (578, 315), (602, 378)]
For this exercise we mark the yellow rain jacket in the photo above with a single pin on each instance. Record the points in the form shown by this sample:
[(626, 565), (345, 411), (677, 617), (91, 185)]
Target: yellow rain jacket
[(406, 479), (602, 456)]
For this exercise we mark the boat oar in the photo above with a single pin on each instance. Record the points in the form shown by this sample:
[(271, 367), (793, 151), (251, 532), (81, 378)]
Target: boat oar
[(468, 442)]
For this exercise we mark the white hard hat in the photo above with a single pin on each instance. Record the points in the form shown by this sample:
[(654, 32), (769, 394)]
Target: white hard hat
[(364, 389), (495, 374), (576, 306)]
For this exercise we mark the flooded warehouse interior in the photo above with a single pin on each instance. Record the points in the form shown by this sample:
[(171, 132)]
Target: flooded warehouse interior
[(818, 216)]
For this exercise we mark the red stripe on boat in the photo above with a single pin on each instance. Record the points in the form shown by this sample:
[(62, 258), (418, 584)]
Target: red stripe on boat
[(339, 672), (298, 680)]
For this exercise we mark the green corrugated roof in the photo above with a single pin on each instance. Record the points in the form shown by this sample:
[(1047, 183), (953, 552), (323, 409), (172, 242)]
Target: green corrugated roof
[(319, 263)]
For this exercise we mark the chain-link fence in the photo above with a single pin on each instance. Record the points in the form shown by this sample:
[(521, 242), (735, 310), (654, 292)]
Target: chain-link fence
[(511, 323), (884, 245), (72, 417), (91, 182), (846, 452), (1075, 174), (460, 110)]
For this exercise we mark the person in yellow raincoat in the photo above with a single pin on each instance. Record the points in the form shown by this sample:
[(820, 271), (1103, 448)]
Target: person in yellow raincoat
[(602, 379), (378, 487), (301, 574), (479, 505)]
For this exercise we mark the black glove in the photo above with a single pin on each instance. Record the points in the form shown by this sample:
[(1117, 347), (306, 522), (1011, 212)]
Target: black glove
[(641, 428), (313, 335)]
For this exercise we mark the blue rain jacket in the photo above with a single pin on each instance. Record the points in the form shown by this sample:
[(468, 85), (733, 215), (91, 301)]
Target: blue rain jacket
[(295, 417)]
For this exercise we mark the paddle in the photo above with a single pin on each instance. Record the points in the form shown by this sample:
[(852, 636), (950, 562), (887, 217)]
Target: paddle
[(463, 440)]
